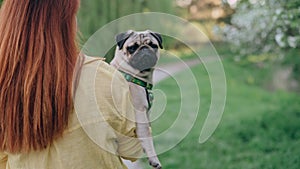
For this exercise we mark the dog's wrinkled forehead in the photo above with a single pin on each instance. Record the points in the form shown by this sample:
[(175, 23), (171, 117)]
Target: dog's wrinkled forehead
[(130, 38), (140, 38)]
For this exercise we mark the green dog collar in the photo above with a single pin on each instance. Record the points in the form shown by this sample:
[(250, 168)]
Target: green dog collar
[(137, 81)]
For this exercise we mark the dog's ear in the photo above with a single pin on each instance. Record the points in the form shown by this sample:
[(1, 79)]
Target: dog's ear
[(158, 37), (122, 37)]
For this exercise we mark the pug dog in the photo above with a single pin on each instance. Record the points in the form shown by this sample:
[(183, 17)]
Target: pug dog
[(136, 54)]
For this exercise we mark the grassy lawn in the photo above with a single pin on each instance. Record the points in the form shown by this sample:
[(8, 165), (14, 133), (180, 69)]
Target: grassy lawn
[(259, 129)]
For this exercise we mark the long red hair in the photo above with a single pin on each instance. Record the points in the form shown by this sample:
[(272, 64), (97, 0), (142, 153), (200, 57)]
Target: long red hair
[(38, 53)]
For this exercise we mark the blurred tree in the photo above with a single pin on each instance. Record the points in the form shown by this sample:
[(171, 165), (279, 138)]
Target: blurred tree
[(263, 24), (207, 13), (266, 28), (205, 9), (94, 14)]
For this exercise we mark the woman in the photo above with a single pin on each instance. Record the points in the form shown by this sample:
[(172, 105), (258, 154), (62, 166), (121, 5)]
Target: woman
[(38, 124)]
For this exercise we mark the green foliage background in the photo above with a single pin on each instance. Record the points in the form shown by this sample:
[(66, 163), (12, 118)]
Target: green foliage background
[(94, 14)]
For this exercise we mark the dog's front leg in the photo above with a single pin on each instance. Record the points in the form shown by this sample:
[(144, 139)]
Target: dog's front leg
[(144, 134)]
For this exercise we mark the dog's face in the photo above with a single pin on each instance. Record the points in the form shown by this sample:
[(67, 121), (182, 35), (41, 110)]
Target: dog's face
[(139, 49)]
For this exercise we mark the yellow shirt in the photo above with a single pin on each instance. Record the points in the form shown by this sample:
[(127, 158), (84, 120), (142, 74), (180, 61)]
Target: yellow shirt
[(100, 130)]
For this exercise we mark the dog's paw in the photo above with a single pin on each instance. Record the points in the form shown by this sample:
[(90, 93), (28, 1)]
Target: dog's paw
[(154, 162)]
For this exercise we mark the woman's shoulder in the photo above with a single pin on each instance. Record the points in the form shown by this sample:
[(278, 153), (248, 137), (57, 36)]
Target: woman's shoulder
[(91, 60), (104, 70), (102, 73), (99, 62)]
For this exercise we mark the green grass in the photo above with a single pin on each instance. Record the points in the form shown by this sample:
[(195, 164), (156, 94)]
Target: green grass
[(259, 129)]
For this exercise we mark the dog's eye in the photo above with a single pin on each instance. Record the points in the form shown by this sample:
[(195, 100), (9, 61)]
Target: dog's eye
[(133, 48), (152, 45)]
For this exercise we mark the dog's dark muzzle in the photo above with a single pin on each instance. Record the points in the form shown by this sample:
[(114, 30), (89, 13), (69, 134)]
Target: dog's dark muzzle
[(143, 59)]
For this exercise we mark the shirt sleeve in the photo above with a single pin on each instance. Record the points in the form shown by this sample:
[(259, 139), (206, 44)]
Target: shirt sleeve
[(3, 160), (129, 145), (115, 99)]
